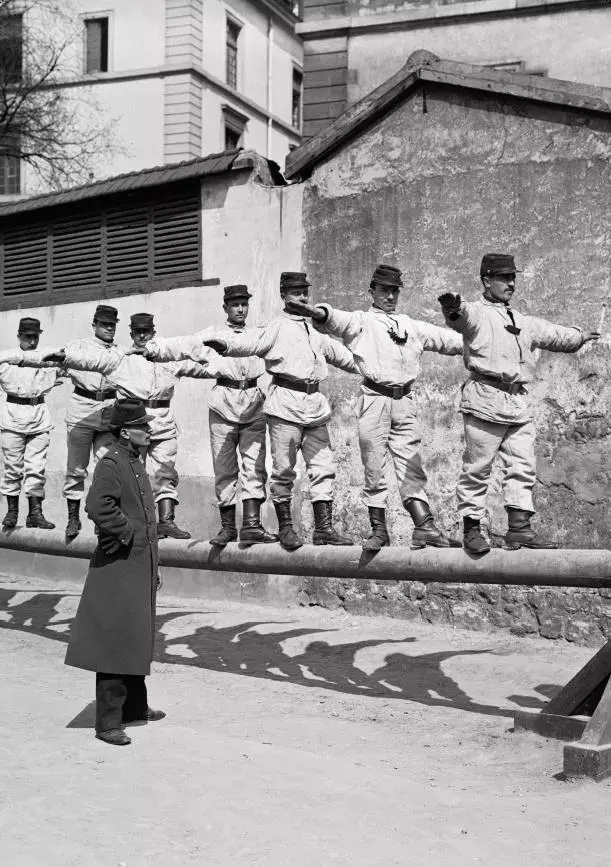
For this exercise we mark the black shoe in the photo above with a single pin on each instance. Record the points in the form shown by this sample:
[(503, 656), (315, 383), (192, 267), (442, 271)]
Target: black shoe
[(35, 516), (379, 537), (9, 522), (252, 531), (520, 533), (73, 527), (150, 716), (166, 528), (473, 539), (425, 532), (116, 737), (324, 531), (228, 531), (289, 539)]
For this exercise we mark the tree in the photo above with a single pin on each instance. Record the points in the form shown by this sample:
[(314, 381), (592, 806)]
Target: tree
[(49, 119)]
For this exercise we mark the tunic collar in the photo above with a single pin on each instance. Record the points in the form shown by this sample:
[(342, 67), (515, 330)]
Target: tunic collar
[(293, 316)]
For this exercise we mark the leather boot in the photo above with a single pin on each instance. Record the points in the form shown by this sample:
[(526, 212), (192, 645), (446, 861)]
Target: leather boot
[(35, 516), (425, 532), (473, 539), (252, 531), (166, 528), (73, 527), (289, 539), (228, 529), (379, 537), (116, 737), (9, 522), (519, 531), (324, 531)]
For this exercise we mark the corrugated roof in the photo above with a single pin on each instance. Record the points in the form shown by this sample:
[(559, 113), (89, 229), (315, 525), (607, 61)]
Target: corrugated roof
[(159, 175), (421, 67)]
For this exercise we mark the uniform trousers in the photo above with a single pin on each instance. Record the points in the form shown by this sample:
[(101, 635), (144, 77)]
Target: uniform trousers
[(119, 698), (229, 440), (286, 440), (81, 442), (515, 443), (161, 463), (390, 427), (25, 459)]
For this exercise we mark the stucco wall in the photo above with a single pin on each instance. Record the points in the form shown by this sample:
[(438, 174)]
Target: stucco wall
[(431, 192)]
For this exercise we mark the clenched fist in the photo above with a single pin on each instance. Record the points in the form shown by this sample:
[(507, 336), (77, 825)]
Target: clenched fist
[(450, 301)]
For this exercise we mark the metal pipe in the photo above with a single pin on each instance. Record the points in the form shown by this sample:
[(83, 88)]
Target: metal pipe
[(554, 568)]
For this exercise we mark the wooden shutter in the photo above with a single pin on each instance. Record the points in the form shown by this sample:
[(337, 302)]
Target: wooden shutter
[(127, 243), (176, 227), (77, 252), (25, 260)]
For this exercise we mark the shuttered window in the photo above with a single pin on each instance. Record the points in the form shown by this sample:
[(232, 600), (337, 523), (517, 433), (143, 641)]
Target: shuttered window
[(125, 244)]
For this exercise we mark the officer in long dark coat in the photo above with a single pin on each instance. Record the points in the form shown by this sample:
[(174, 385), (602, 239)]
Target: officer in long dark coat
[(114, 628)]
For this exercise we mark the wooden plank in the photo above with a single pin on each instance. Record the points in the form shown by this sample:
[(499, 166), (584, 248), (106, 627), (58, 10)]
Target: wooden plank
[(598, 730), (579, 688)]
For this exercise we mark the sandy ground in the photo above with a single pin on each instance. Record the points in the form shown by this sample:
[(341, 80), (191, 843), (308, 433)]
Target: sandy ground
[(294, 738)]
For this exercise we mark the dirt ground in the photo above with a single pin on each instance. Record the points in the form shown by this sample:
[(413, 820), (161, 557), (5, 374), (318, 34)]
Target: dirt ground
[(294, 738)]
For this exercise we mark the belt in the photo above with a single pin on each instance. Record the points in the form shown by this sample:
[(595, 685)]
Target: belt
[(509, 387), (25, 401), (241, 384), (295, 384), (108, 394), (156, 404), (394, 391)]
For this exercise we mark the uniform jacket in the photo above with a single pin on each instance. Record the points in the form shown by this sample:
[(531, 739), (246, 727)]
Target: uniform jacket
[(114, 627), (26, 382), (93, 414), (491, 350), (292, 348), (235, 406), (134, 376), (377, 356)]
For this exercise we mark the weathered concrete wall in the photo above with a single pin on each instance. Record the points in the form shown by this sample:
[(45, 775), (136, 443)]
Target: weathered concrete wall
[(430, 188)]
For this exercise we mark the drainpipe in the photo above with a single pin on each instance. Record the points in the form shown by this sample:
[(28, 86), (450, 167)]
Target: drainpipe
[(270, 42)]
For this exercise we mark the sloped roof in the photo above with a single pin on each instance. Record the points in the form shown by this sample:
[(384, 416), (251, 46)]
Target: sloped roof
[(422, 67), (159, 175)]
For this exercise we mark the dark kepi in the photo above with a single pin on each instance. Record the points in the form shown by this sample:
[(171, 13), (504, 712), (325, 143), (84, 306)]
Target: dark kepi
[(497, 263)]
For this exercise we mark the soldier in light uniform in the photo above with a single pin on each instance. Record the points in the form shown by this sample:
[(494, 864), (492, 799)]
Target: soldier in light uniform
[(297, 413), (25, 425), (496, 399), (236, 421), (132, 376), (387, 347)]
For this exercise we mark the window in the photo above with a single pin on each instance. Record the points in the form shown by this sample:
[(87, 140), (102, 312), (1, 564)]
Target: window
[(234, 127), (231, 59), (232, 138), (297, 88), (10, 167), (96, 45), (11, 48)]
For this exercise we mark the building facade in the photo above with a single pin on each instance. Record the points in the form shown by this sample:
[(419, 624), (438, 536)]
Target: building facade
[(352, 46), (180, 78)]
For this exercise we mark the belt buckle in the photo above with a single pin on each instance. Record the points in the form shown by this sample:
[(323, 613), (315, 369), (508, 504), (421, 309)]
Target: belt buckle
[(99, 395), (397, 392), (32, 401), (242, 384), (515, 387), (311, 387)]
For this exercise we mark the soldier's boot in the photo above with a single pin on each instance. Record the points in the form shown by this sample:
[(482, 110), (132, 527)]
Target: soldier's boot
[(324, 531), (35, 516), (289, 539), (9, 522), (166, 528), (228, 531), (379, 537), (252, 532), (73, 527), (425, 532), (115, 737), (473, 538), (519, 531)]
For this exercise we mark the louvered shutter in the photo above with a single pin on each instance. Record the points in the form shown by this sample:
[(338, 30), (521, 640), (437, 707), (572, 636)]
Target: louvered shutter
[(25, 260), (176, 227), (77, 252), (127, 244)]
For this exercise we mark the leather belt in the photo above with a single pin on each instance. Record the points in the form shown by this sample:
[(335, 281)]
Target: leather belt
[(508, 387), (156, 404), (241, 384), (108, 394), (295, 384), (25, 401), (394, 391)]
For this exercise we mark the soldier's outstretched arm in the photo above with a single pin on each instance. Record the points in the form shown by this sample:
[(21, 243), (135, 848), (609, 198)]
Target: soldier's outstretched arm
[(437, 339), (257, 341), (195, 370), (187, 348), (84, 355), (460, 315), (31, 358), (558, 338), (337, 355)]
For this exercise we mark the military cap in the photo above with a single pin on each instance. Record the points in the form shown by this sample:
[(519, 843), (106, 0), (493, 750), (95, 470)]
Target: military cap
[(293, 280), (238, 290), (127, 412), (106, 313), (497, 263), (386, 275), (141, 320), (29, 325)]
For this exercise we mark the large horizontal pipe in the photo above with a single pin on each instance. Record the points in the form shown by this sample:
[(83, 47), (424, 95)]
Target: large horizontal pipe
[(559, 568)]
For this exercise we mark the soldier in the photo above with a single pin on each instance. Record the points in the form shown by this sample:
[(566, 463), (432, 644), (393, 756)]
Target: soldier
[(113, 632), (25, 425), (496, 400), (297, 412), (387, 347), (153, 384), (235, 417)]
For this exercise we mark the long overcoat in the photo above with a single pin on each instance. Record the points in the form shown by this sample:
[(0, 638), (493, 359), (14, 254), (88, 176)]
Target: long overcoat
[(114, 627)]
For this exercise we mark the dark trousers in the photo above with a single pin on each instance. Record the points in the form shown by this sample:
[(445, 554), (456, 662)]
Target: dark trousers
[(118, 698)]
